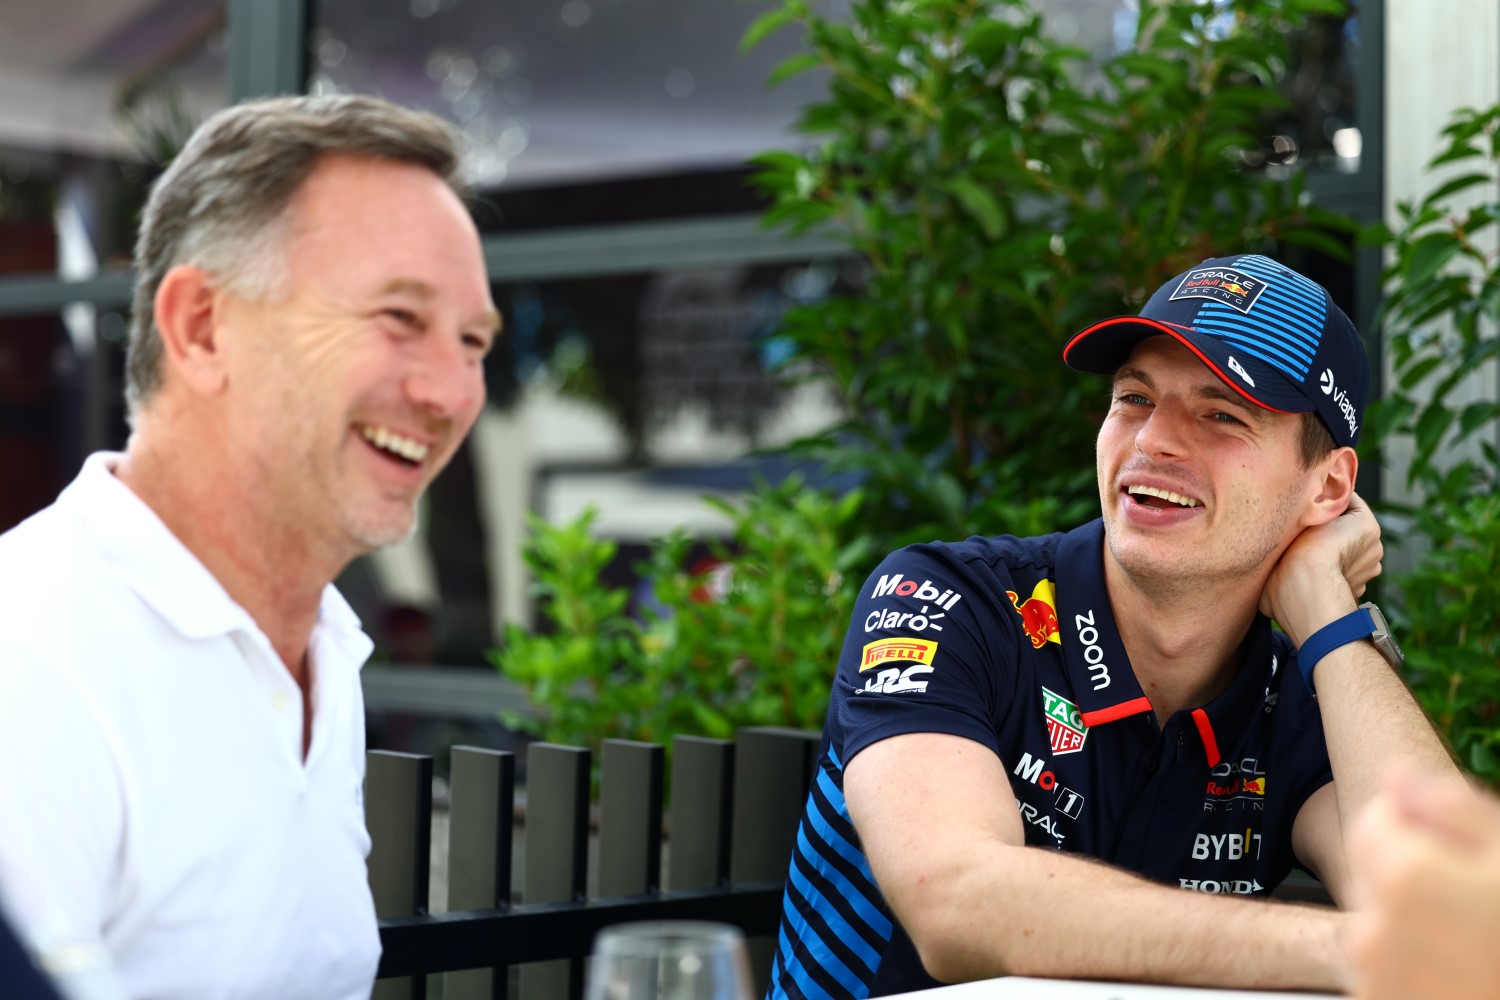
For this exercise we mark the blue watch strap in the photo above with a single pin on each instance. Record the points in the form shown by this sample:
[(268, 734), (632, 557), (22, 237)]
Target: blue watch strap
[(1356, 625)]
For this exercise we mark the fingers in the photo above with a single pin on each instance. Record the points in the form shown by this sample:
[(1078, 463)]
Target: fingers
[(1452, 811)]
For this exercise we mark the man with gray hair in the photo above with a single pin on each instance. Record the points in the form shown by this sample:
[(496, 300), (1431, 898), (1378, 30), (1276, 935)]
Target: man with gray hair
[(181, 729)]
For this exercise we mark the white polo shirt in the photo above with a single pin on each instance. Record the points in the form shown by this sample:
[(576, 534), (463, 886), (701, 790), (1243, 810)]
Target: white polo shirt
[(153, 796)]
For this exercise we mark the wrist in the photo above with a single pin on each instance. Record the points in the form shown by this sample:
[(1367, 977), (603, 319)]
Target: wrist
[(1363, 623), (1305, 619)]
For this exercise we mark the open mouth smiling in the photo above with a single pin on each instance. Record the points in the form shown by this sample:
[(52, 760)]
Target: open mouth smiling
[(1160, 499), (396, 446)]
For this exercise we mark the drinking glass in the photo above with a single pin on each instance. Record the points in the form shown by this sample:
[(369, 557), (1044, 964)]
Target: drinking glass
[(669, 960)]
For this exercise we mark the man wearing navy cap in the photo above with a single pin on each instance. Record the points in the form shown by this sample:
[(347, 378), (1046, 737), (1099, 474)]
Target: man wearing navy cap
[(1086, 754)]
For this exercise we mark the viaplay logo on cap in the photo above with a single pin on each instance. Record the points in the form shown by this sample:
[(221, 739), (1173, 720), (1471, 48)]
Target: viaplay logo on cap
[(1231, 286), (1340, 399)]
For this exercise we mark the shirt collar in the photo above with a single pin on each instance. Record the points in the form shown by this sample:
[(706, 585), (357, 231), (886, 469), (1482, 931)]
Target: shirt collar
[(154, 563), (1094, 657)]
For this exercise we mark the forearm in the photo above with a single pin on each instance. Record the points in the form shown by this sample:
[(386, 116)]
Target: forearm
[(1373, 726), (1032, 911)]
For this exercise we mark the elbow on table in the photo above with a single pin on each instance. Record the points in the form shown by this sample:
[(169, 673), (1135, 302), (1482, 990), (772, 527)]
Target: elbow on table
[(957, 947)]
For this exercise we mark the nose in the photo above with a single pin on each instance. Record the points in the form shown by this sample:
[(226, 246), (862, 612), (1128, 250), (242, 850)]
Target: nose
[(447, 379), (1161, 435)]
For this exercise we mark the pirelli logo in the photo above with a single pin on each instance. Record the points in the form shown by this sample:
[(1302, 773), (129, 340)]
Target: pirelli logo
[(884, 651)]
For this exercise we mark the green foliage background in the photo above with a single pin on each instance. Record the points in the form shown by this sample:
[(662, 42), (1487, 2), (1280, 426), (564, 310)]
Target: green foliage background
[(1440, 313)]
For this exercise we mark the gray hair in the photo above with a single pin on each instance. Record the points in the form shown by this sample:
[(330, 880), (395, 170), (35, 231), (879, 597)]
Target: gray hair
[(221, 204)]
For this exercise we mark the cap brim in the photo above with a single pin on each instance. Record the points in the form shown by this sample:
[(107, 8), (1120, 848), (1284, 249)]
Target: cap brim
[(1105, 346)]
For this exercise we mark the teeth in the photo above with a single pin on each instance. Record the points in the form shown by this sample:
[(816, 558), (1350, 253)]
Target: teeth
[(1167, 495), (381, 437)]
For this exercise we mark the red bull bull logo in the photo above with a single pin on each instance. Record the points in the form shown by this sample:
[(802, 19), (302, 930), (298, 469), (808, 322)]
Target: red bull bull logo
[(1237, 786), (1038, 614)]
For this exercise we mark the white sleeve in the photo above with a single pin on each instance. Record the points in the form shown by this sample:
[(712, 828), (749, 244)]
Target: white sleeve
[(61, 808)]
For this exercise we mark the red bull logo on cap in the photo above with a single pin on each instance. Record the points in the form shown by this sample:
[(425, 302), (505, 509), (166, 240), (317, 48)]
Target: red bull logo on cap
[(1038, 614)]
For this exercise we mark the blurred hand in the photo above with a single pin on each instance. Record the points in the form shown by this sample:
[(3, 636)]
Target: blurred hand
[(1430, 854)]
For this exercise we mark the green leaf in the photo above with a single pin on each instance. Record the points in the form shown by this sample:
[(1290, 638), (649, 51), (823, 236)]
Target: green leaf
[(1428, 256), (980, 203), (767, 23), (1462, 183), (792, 66)]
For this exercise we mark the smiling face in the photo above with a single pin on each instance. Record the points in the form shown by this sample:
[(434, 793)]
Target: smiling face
[(350, 388), (1196, 484)]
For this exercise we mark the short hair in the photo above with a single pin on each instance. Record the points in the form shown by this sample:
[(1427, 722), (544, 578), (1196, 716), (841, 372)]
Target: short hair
[(221, 204), (1317, 439)]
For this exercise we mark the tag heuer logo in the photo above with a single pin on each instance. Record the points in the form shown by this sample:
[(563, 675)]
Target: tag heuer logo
[(1065, 725)]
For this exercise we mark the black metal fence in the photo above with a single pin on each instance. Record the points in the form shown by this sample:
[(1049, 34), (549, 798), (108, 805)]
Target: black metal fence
[(732, 822)]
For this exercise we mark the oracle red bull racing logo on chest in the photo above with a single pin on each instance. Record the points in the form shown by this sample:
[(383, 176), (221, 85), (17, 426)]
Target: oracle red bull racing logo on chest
[(1065, 726), (1038, 614)]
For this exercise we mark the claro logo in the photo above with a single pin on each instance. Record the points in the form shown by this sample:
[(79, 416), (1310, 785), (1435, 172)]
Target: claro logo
[(1340, 399)]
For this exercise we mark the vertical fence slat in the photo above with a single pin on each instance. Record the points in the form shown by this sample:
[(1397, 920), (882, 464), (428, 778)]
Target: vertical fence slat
[(630, 792), (398, 814), (702, 782), (557, 824), (480, 825), (772, 767)]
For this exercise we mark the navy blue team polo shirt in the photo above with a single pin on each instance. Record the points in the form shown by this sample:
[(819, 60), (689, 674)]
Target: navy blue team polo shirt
[(1010, 642)]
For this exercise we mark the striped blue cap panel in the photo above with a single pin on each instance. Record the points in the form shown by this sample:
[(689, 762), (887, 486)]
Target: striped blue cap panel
[(1284, 326)]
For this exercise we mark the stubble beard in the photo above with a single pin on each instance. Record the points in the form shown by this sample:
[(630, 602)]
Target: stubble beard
[(1198, 577)]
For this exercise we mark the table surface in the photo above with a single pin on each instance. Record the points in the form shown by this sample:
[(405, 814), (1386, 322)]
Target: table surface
[(1024, 988)]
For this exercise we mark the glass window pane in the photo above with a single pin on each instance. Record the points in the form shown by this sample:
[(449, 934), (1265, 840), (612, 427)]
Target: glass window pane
[(60, 379), (92, 96), (1319, 129), (571, 92)]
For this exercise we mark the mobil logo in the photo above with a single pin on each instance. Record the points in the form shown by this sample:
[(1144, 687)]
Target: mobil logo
[(1038, 614), (896, 585), (1031, 769)]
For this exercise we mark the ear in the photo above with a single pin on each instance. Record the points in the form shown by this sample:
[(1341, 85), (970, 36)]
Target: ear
[(1334, 483), (187, 313)]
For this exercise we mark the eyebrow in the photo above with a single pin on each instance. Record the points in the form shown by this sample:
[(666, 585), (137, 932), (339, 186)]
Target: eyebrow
[(490, 318), (1214, 391)]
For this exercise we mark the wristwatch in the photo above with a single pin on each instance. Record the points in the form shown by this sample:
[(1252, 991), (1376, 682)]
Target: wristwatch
[(1365, 622)]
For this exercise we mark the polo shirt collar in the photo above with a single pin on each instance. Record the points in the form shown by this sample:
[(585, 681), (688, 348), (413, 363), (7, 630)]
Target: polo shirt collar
[(1093, 652), (1093, 655), (154, 563)]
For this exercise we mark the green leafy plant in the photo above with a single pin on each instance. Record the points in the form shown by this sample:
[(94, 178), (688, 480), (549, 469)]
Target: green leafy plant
[(750, 643), (1002, 202), (1441, 306)]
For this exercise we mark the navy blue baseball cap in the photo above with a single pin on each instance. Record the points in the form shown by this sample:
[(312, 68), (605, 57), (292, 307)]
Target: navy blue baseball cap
[(1272, 335)]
